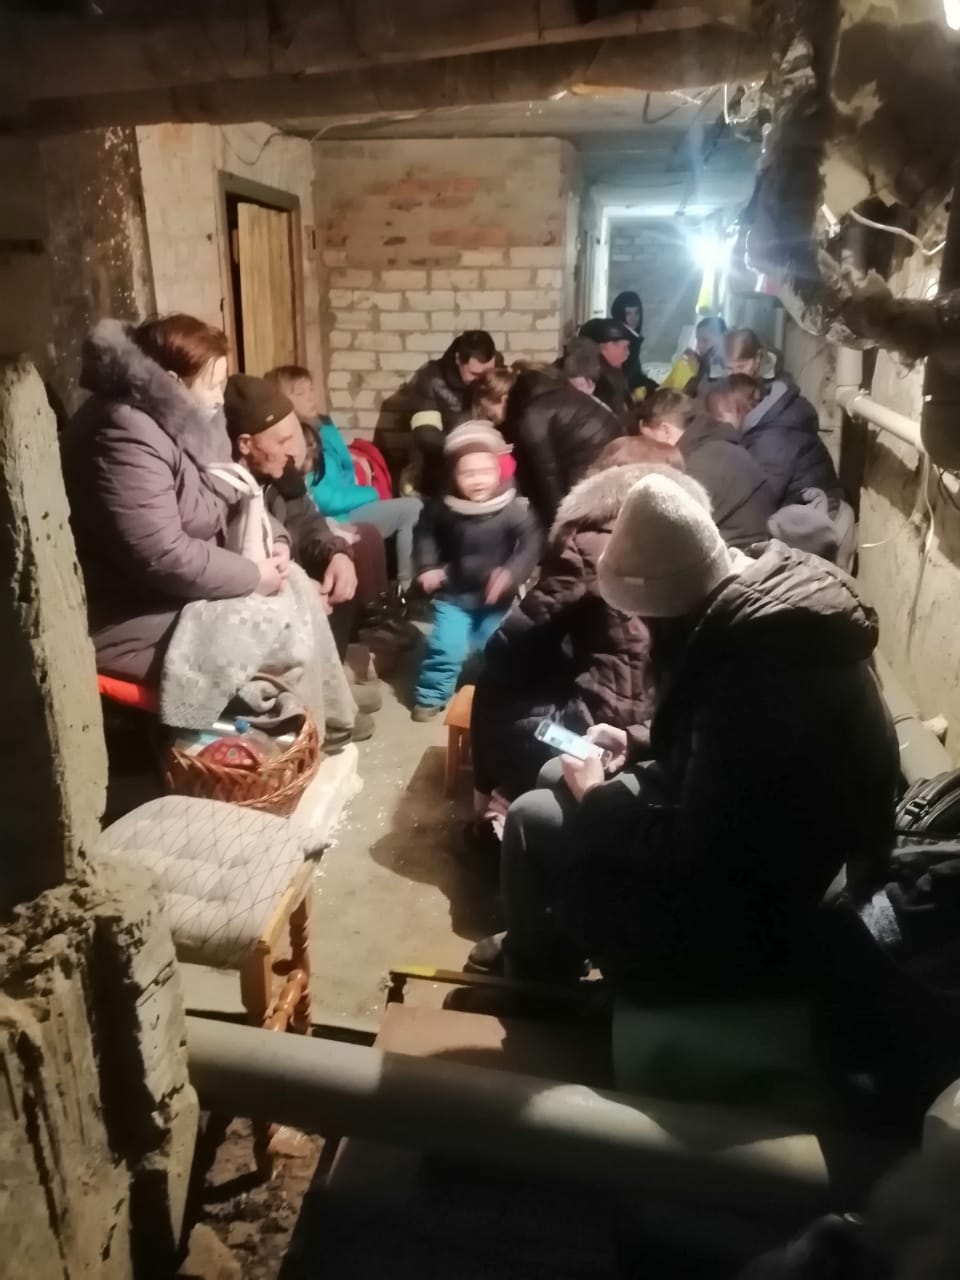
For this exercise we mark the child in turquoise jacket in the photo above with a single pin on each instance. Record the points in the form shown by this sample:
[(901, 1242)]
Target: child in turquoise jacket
[(333, 485)]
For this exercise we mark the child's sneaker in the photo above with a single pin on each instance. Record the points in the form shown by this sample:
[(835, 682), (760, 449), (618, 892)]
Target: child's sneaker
[(423, 715)]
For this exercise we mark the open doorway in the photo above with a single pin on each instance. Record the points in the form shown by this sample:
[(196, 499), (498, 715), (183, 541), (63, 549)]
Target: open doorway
[(265, 307)]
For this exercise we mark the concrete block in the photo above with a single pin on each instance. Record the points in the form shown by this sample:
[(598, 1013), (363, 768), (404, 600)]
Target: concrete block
[(399, 361), (550, 324), (508, 278), (334, 257), (364, 299), (539, 342), (360, 361), (380, 381), (537, 257), (535, 299), (454, 279), (379, 342), (338, 379), (367, 399), (430, 343), (430, 300), (340, 299), (352, 319), (341, 399), (482, 300), (403, 279), (498, 340), (351, 278), (366, 422), (405, 321), (484, 258), (508, 321), (549, 278), (340, 340)]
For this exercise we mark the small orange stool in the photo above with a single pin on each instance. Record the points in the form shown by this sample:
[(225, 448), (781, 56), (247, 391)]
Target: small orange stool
[(457, 721)]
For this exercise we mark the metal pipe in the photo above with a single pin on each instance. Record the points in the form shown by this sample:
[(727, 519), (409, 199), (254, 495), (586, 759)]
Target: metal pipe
[(760, 1166), (922, 754), (859, 405)]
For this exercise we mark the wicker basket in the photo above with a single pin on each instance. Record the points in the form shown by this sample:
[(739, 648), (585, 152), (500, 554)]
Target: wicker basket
[(274, 788)]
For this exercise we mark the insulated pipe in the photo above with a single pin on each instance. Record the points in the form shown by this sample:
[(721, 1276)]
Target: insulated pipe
[(706, 1155), (859, 405), (922, 754)]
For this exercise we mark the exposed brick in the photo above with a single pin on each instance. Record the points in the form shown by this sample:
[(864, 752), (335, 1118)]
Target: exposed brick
[(430, 343), (352, 278), (340, 341), (405, 321), (549, 278), (435, 299), (399, 361), (341, 399), (352, 319), (483, 258), (537, 257), (404, 279), (381, 381), (366, 420), (508, 278), (338, 380), (540, 342), (378, 342), (363, 298), (551, 323), (458, 320), (340, 298), (334, 258), (482, 300), (534, 299), (508, 321), (367, 399), (498, 340), (454, 279), (361, 361)]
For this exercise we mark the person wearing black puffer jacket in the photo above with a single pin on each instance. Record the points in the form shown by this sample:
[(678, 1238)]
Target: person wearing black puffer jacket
[(558, 428)]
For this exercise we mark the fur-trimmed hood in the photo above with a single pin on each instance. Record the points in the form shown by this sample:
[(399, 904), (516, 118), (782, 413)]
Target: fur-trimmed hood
[(114, 368), (595, 502)]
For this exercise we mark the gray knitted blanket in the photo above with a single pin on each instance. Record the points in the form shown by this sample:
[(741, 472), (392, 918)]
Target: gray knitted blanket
[(218, 646)]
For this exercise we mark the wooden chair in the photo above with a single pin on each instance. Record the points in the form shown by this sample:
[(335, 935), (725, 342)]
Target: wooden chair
[(286, 1008), (457, 721)]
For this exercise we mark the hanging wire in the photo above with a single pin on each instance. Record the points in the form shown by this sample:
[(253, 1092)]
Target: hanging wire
[(898, 231)]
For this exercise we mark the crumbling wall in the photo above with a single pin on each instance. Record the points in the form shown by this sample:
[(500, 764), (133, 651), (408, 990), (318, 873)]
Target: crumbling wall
[(423, 239), (180, 167)]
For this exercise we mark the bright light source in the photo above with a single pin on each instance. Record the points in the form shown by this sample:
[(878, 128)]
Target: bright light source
[(709, 251), (951, 11)]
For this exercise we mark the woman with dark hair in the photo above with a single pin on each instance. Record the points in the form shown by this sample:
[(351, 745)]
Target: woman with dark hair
[(147, 516), (561, 653), (627, 309)]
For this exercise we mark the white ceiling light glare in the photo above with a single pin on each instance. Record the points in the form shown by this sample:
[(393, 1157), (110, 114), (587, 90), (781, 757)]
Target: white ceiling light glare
[(951, 11)]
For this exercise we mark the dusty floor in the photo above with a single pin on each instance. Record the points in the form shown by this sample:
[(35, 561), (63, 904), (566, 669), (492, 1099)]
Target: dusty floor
[(390, 891)]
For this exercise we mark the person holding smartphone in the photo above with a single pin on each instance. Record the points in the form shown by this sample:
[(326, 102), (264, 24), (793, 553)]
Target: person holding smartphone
[(774, 763)]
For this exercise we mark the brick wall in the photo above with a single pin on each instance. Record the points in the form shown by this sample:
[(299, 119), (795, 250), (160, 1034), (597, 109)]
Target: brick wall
[(650, 256), (180, 167), (423, 239)]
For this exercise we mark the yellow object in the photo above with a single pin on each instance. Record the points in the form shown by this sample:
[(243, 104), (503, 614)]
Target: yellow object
[(683, 370)]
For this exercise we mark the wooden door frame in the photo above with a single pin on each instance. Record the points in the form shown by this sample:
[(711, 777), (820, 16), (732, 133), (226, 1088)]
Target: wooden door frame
[(272, 198)]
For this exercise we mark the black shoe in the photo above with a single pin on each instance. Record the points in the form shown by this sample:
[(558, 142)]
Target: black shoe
[(488, 956)]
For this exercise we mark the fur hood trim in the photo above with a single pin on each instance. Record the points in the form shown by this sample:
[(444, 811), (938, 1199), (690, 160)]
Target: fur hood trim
[(596, 501), (114, 368)]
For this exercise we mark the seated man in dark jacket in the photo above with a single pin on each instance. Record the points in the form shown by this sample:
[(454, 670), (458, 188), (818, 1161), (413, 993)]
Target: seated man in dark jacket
[(442, 392), (774, 764), (711, 449), (558, 428)]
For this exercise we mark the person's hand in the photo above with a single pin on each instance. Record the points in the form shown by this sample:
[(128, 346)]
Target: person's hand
[(281, 553), (432, 580), (581, 776), (273, 573), (613, 740), (498, 584), (340, 581), (324, 599)]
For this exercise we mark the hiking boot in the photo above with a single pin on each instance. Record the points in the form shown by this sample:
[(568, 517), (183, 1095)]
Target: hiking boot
[(423, 715), (340, 736)]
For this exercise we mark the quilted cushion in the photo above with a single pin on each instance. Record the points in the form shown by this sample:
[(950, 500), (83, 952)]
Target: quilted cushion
[(223, 870)]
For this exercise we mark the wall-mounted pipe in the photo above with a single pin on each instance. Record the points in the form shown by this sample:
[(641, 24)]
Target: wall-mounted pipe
[(697, 1154), (922, 754), (859, 405)]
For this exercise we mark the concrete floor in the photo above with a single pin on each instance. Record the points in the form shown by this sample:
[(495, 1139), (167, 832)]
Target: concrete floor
[(390, 890)]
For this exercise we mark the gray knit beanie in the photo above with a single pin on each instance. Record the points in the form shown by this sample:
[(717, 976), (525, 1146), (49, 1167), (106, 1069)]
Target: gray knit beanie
[(476, 436), (665, 555)]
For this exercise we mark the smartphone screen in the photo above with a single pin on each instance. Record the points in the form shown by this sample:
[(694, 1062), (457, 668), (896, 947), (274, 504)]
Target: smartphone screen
[(565, 742)]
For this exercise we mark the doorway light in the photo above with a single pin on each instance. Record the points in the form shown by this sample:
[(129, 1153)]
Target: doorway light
[(708, 250), (951, 11)]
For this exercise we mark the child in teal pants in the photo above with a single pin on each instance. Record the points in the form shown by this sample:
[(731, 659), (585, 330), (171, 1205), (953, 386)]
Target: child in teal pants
[(473, 548)]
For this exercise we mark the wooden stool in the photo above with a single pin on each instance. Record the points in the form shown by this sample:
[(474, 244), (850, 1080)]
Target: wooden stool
[(457, 721), (290, 1009)]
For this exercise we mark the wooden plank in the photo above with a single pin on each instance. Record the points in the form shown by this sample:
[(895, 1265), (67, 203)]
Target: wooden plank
[(267, 301)]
